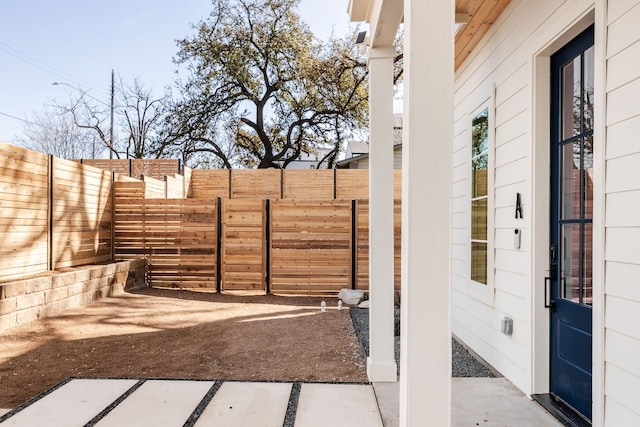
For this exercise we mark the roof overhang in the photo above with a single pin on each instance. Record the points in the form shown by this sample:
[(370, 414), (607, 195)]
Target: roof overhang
[(385, 16)]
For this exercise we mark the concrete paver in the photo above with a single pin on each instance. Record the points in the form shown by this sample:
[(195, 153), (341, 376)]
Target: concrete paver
[(337, 405), (247, 404), (168, 402), (74, 404)]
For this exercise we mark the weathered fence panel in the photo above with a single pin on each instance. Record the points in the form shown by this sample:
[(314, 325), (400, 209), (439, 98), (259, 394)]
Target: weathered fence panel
[(243, 249), (178, 237), (24, 219), (81, 213), (256, 184), (314, 184), (310, 245)]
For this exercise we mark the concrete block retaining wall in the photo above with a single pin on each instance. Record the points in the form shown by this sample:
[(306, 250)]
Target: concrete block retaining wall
[(25, 300)]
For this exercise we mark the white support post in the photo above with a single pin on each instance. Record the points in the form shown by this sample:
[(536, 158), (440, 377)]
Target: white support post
[(381, 364), (425, 377)]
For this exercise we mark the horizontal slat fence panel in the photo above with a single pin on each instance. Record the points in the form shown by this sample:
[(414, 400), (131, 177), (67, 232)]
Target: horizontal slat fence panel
[(362, 244), (155, 168), (209, 183), (119, 166), (310, 246), (154, 188), (81, 214), (352, 183), (175, 187), (243, 250), (259, 183), (24, 218), (314, 184), (126, 187), (178, 237)]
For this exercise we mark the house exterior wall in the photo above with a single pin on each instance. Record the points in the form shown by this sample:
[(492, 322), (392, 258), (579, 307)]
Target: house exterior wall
[(622, 222), (500, 75)]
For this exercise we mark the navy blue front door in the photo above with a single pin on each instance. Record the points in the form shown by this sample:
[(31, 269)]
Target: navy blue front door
[(570, 252)]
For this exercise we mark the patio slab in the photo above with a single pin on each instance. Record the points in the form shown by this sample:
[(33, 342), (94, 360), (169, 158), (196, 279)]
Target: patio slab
[(337, 405), (172, 402), (74, 404), (247, 404)]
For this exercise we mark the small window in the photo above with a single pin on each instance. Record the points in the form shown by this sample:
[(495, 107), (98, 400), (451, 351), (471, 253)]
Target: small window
[(479, 195)]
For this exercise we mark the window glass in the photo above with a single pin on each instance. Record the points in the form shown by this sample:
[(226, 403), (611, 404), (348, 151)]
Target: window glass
[(479, 195)]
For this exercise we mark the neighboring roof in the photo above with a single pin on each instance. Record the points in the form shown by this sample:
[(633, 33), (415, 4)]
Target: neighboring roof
[(358, 147), (344, 163)]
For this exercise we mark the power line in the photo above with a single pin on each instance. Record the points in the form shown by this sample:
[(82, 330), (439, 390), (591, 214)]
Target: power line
[(26, 121), (35, 62)]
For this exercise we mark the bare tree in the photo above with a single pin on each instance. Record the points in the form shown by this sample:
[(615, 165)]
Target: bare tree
[(50, 132), (143, 114)]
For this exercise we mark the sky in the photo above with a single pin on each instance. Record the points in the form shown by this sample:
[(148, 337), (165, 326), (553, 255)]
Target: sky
[(79, 42)]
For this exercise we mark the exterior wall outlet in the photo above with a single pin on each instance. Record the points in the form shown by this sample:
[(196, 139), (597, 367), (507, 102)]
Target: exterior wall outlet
[(507, 326)]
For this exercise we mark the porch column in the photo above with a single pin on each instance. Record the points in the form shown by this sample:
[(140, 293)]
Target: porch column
[(381, 364), (425, 378)]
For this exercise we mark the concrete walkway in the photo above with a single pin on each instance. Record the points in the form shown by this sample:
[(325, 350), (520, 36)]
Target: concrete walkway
[(486, 402)]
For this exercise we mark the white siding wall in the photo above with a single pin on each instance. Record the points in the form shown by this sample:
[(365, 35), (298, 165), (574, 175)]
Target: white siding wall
[(622, 224), (504, 61)]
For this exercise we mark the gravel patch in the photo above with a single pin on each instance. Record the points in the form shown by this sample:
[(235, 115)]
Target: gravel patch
[(464, 364)]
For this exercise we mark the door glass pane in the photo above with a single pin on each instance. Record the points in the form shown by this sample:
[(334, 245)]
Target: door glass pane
[(570, 158), (571, 105), (479, 219), (570, 253), (480, 181), (587, 162), (479, 262), (587, 274), (588, 89)]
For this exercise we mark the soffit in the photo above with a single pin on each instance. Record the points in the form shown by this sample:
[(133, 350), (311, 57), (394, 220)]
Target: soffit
[(481, 16)]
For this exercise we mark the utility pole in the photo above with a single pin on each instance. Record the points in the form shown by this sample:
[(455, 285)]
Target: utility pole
[(111, 127)]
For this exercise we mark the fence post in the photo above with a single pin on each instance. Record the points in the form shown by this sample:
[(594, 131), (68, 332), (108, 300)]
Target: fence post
[(230, 181), (281, 183), (335, 185), (113, 216), (267, 231), (219, 245), (354, 243), (50, 247)]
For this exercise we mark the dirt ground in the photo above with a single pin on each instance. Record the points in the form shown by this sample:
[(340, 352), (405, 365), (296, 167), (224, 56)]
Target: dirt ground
[(157, 333)]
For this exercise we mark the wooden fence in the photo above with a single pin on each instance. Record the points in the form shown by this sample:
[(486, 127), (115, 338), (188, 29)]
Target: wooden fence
[(279, 230), (178, 237), (53, 213), (153, 168), (24, 212), (284, 184), (281, 245)]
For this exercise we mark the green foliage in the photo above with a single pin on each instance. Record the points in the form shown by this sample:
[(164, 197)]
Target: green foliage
[(258, 91)]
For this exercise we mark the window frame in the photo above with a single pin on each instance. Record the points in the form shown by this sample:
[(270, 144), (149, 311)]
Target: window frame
[(478, 290)]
